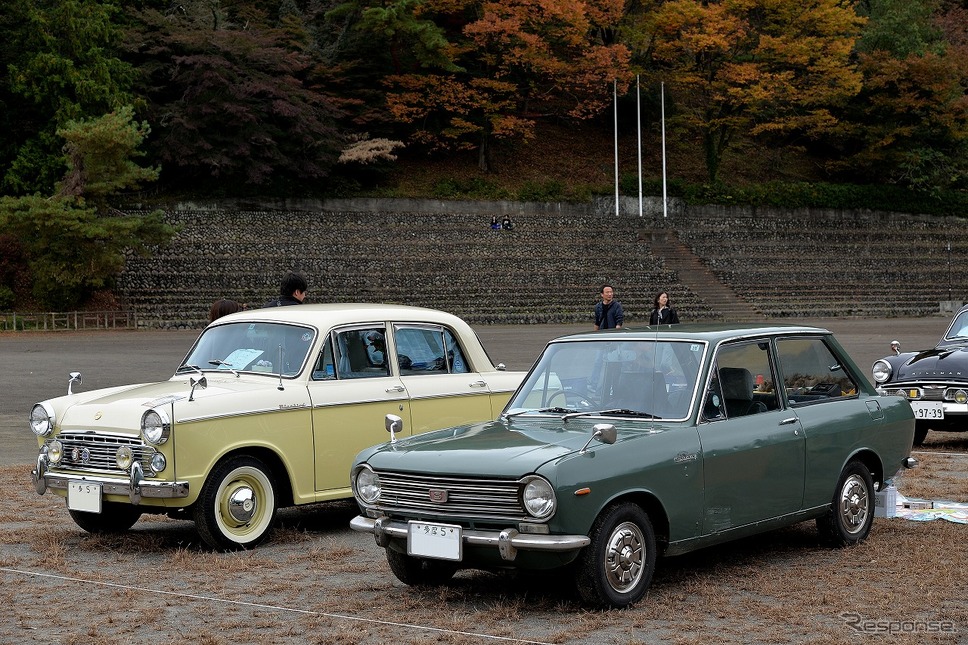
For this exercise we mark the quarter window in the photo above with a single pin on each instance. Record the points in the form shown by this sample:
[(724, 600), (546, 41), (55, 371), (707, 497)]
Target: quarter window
[(811, 372)]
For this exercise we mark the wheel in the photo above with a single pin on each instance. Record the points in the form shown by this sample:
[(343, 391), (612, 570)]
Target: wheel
[(237, 505), (616, 568), (920, 432), (851, 513), (113, 518), (419, 571)]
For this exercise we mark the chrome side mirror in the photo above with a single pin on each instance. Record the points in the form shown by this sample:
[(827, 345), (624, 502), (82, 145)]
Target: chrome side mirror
[(896, 347), (75, 378), (393, 424), (200, 382), (604, 432), (501, 367)]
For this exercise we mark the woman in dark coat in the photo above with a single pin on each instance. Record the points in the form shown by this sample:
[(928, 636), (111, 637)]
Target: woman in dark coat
[(663, 313)]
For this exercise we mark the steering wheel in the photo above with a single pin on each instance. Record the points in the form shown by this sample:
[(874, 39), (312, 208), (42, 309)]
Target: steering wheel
[(571, 399)]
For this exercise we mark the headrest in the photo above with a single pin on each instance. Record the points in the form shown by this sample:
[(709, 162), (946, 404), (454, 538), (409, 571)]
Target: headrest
[(737, 383)]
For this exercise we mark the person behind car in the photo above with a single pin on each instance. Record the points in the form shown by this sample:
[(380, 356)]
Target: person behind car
[(662, 312), (608, 311), (223, 307), (292, 291)]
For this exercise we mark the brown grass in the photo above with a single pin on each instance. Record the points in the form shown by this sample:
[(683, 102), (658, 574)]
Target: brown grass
[(317, 582)]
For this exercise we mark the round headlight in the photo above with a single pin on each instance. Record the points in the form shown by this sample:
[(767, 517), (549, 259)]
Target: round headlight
[(367, 485), (42, 420), (539, 498), (158, 462), (155, 427), (881, 371), (123, 457), (55, 451), (961, 397)]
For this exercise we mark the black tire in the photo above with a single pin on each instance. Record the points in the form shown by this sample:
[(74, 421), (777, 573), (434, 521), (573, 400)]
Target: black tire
[(237, 505), (113, 518), (920, 432), (616, 568), (418, 572), (851, 513)]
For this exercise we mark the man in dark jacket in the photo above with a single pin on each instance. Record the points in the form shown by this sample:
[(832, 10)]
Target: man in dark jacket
[(608, 312), (292, 291)]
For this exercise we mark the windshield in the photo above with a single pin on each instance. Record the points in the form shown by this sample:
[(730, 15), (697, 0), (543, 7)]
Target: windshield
[(251, 347), (642, 378), (958, 328)]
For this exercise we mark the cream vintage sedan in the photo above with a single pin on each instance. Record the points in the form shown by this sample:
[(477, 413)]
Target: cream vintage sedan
[(267, 410)]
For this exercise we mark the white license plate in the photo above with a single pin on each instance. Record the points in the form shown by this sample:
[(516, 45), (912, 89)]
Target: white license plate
[(439, 541), (84, 496), (927, 411)]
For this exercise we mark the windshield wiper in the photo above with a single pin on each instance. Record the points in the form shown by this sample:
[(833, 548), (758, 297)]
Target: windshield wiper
[(614, 411), (219, 363), (194, 368), (541, 411)]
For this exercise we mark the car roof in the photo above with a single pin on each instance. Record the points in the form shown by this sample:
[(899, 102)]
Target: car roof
[(708, 332), (326, 315)]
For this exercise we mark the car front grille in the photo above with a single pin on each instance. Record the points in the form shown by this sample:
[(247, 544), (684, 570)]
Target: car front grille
[(456, 497), (95, 452)]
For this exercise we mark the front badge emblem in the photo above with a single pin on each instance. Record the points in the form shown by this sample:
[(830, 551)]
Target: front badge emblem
[(97, 415), (438, 496)]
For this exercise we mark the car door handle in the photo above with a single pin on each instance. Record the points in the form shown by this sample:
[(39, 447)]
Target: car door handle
[(395, 388), (478, 384), (787, 422)]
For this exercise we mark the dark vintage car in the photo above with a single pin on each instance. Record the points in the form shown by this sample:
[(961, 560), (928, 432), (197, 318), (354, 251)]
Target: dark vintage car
[(623, 445), (934, 381)]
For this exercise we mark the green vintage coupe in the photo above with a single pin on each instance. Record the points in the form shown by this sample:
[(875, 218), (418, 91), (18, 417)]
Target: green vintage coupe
[(623, 445)]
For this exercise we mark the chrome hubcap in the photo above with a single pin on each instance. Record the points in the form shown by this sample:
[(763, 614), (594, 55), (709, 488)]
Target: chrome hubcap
[(242, 504), (623, 557), (854, 504)]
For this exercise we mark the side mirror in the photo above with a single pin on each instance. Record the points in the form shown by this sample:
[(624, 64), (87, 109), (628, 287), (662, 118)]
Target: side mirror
[(604, 432), (393, 424), (896, 347), (200, 382), (75, 378)]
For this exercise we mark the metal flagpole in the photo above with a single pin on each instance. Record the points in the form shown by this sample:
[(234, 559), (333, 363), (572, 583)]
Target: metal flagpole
[(615, 100), (638, 124), (665, 208)]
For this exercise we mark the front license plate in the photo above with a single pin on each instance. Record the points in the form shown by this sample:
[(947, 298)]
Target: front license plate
[(927, 411), (439, 541), (84, 496)]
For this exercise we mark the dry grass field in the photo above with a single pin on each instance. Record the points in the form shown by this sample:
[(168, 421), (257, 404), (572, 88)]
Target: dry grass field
[(317, 582)]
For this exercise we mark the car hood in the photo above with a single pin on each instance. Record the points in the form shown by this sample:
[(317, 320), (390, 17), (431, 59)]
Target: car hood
[(937, 363), (119, 409), (491, 449)]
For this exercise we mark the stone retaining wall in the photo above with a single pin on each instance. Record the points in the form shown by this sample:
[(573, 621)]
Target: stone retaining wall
[(549, 269)]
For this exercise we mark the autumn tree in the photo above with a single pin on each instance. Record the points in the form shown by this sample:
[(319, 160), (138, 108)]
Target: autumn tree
[(233, 97), (471, 71), (768, 68)]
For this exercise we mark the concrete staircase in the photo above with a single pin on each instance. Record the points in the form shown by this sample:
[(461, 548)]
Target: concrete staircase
[(724, 303)]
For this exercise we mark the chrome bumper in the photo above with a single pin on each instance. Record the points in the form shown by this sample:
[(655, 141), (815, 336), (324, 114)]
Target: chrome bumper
[(507, 541), (135, 487)]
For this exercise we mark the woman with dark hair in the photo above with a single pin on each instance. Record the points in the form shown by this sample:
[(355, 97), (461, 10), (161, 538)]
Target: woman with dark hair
[(663, 313), (223, 307)]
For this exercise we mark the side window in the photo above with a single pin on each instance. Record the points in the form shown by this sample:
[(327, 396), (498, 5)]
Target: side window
[(353, 353), (811, 372), (742, 383), (428, 349)]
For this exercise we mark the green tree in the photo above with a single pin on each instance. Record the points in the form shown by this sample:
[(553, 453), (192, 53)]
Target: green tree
[(62, 64), (909, 124), (74, 241), (770, 68)]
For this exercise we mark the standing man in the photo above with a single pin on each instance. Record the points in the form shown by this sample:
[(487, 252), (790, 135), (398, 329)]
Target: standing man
[(608, 312), (292, 291)]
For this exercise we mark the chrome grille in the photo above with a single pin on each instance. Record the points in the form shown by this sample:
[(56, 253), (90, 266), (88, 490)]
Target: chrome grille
[(491, 499), (96, 452)]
